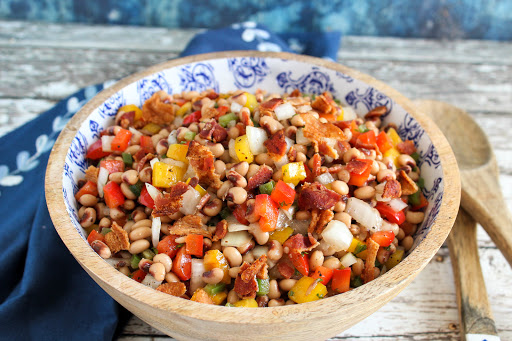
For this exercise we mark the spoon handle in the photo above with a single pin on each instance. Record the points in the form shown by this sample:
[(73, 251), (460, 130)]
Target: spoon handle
[(474, 309), (482, 198)]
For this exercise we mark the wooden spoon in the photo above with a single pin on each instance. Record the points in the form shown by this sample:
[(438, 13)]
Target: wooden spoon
[(481, 194)]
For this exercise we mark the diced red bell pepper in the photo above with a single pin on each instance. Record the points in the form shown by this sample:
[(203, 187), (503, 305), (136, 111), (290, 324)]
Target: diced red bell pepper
[(182, 265), (300, 261), (283, 195), (341, 280), (268, 211), (139, 275), (95, 151), (146, 144), (89, 188), (366, 140), (113, 166), (146, 199), (95, 235), (383, 238), (355, 132), (121, 140), (168, 246), (322, 273), (222, 110), (389, 214), (423, 203), (191, 118), (194, 245), (239, 213), (114, 197), (359, 178), (384, 142)]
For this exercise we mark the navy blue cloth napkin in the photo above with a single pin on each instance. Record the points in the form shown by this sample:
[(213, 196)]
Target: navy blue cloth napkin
[(44, 293)]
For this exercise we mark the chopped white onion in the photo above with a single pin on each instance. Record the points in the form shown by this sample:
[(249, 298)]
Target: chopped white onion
[(256, 137), (325, 178), (106, 143), (349, 113), (364, 214), (234, 225), (151, 282), (284, 111), (289, 212), (232, 151), (172, 138), (397, 204), (178, 121), (190, 201), (236, 239), (153, 191), (379, 190), (190, 173), (282, 219), (153, 161), (289, 143), (196, 274), (102, 180), (299, 226), (348, 260), (118, 262), (337, 235), (235, 107), (173, 162), (282, 161), (135, 131), (259, 251), (387, 226), (299, 137), (304, 108), (156, 225)]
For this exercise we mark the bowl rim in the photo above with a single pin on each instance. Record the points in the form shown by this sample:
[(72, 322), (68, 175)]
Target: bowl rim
[(380, 290)]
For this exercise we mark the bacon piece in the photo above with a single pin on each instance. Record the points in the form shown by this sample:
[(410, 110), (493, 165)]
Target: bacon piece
[(342, 146), (271, 104), (117, 239), (214, 132), (241, 128), (295, 93), (202, 161), (299, 243), (317, 164), (406, 147), (408, 186), (177, 289), (189, 224), (316, 196), (319, 219), (91, 174), (125, 118), (368, 272), (324, 104), (158, 109), (142, 162), (245, 289), (318, 132), (263, 175), (376, 113), (221, 230), (335, 169), (246, 118), (356, 166), (392, 189), (209, 113), (202, 297), (285, 269), (292, 154), (204, 199), (193, 182), (276, 145), (170, 202), (254, 268), (326, 147)]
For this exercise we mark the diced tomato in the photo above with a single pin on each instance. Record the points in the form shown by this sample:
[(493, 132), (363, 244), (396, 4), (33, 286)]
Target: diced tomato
[(146, 144), (328, 117), (383, 238), (182, 265), (121, 140), (384, 142), (268, 211), (139, 275), (323, 273), (95, 151), (146, 199), (95, 235), (423, 203), (389, 214), (283, 195), (359, 179), (168, 246), (113, 195), (239, 213), (300, 261), (193, 117), (194, 245), (222, 110), (89, 188), (367, 140), (341, 280), (113, 166)]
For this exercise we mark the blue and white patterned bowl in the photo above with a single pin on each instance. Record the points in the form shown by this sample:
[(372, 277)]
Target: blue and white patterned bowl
[(275, 72)]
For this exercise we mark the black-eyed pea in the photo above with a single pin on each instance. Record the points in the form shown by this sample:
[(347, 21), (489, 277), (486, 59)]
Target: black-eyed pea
[(241, 168), (275, 250), (145, 264), (104, 222), (352, 153), (253, 169), (157, 270), (138, 215), (273, 290), (143, 222), (164, 228), (290, 302), (401, 234), (287, 284), (129, 205), (88, 217), (238, 195), (125, 270), (383, 255), (301, 157), (332, 263), (357, 267), (138, 246), (233, 133), (414, 217), (116, 213), (142, 232), (233, 272), (128, 226), (81, 212), (407, 242), (365, 192), (213, 207), (344, 175), (278, 175), (130, 177), (354, 229), (88, 200), (345, 218), (339, 206), (220, 168), (375, 168), (101, 249), (132, 149), (216, 245), (385, 175), (213, 276), (302, 215), (264, 159), (297, 121), (262, 301), (236, 179), (340, 187), (233, 256), (125, 188), (170, 277), (162, 146), (223, 190), (232, 297), (406, 160), (248, 257), (116, 177), (316, 259), (146, 174), (101, 210), (216, 148), (275, 303)]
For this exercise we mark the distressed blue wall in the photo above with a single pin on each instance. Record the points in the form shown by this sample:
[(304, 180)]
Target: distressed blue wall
[(477, 19)]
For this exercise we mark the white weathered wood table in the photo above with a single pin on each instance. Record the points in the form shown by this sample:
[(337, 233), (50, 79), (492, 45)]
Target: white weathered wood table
[(42, 63)]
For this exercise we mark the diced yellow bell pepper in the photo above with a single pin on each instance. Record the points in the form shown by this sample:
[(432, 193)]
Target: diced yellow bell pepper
[(251, 103), (392, 154), (307, 289), (219, 297), (294, 172), (242, 149), (358, 245), (395, 258), (341, 114), (393, 135), (165, 175), (152, 128), (198, 188), (131, 107), (185, 108), (247, 303), (281, 235), (178, 152), (215, 259)]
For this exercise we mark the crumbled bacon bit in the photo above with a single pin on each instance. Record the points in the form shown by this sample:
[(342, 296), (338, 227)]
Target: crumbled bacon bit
[(327, 148), (295, 93), (177, 289), (407, 184), (285, 269), (335, 169), (299, 243), (263, 175), (139, 155), (376, 112), (324, 104), (246, 118), (368, 272), (157, 109), (171, 201), (276, 145), (317, 131), (342, 146), (319, 219), (91, 174), (254, 268), (214, 132), (221, 230), (392, 189), (316, 196), (356, 166), (241, 128), (202, 161), (143, 161), (189, 224), (204, 199), (406, 147), (245, 289), (292, 154), (117, 239), (202, 296), (317, 164), (194, 181), (271, 104), (209, 113)]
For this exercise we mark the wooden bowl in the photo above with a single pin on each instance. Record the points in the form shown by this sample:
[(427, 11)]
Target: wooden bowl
[(187, 320)]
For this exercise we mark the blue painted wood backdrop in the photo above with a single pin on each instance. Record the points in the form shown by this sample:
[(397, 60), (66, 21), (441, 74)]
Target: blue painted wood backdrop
[(477, 19)]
